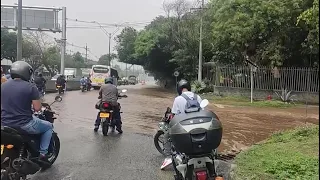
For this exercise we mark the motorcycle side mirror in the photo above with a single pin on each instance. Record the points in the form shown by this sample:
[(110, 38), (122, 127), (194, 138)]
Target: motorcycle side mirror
[(168, 110), (204, 103), (58, 99), (124, 90)]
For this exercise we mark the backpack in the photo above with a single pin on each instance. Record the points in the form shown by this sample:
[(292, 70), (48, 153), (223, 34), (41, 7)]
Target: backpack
[(192, 105)]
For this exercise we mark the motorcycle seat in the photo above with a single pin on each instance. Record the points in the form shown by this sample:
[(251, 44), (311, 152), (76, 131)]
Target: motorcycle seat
[(10, 130), (17, 133)]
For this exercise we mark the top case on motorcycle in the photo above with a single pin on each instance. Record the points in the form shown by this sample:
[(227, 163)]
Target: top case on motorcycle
[(195, 133)]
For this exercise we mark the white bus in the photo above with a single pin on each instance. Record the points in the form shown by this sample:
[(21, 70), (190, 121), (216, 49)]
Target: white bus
[(100, 72)]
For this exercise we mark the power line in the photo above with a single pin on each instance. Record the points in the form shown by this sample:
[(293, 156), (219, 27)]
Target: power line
[(109, 24)]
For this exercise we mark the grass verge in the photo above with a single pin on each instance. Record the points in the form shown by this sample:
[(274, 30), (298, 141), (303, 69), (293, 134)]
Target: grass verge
[(285, 155), (243, 101)]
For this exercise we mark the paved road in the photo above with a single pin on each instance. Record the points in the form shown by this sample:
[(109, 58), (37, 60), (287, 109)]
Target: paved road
[(86, 155)]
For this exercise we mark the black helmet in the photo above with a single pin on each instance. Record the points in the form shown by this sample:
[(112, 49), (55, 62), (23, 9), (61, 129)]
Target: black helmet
[(108, 80), (21, 69), (183, 84)]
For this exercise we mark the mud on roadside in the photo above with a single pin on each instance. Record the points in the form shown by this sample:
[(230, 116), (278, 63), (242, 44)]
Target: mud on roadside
[(242, 126)]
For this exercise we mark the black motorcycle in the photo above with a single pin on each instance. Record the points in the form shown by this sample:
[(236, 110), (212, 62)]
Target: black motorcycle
[(20, 151), (163, 128), (107, 114), (60, 89)]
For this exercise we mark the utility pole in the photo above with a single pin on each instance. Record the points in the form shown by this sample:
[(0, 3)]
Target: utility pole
[(19, 35), (126, 69), (110, 49), (200, 45), (63, 38), (86, 53)]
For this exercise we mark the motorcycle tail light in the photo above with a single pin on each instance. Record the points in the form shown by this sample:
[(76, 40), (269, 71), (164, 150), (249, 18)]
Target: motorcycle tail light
[(201, 175), (105, 105)]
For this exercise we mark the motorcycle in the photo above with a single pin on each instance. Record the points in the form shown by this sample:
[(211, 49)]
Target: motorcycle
[(163, 129), (83, 87), (20, 151), (60, 89), (106, 114), (194, 139), (89, 86)]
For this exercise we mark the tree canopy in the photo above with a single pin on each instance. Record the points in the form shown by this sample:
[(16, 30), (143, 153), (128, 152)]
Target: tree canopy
[(38, 52), (271, 33)]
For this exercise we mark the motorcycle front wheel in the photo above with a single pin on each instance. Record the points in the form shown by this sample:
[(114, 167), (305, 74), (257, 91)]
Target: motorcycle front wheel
[(158, 142), (54, 148)]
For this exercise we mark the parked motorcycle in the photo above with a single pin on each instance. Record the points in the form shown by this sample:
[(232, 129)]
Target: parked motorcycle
[(106, 114), (195, 136), (20, 151)]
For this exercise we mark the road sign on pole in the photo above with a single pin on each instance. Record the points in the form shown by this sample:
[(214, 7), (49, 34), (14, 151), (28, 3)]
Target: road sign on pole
[(176, 73)]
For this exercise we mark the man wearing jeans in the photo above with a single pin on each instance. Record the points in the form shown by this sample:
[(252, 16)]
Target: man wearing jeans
[(17, 97)]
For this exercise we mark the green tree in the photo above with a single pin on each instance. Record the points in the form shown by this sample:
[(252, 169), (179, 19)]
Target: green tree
[(106, 59), (309, 20), (78, 57), (8, 45), (125, 44)]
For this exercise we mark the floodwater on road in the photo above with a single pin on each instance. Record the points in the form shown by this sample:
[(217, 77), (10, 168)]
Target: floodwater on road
[(146, 104)]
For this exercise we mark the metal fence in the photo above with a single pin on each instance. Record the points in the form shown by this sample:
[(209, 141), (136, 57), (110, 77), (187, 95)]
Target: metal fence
[(265, 78)]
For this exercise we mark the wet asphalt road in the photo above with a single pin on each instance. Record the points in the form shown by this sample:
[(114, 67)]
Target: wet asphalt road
[(86, 155)]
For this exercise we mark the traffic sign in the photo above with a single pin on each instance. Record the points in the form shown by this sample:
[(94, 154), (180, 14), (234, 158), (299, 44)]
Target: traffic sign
[(176, 73)]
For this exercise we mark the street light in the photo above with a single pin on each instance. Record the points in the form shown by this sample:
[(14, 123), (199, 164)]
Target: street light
[(109, 35)]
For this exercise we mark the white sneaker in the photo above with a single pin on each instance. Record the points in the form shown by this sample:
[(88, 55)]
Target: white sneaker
[(167, 161)]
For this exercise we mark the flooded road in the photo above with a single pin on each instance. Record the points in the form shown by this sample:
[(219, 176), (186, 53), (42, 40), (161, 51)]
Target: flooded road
[(132, 156), (145, 105)]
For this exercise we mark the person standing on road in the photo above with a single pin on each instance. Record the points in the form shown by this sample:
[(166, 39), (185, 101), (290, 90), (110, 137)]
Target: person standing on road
[(184, 101), (17, 97), (109, 93)]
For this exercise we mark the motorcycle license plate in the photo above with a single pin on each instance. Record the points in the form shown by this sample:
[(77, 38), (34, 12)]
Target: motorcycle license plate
[(2, 148), (81, 86), (58, 86), (104, 115)]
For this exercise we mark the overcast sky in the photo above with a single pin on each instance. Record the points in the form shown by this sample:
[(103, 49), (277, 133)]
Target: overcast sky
[(102, 11)]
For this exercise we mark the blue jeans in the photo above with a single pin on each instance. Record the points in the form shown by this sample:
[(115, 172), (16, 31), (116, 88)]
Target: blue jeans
[(39, 126)]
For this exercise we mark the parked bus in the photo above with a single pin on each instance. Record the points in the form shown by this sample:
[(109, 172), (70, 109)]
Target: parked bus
[(100, 72)]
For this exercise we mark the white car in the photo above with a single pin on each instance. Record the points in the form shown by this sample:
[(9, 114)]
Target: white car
[(54, 78)]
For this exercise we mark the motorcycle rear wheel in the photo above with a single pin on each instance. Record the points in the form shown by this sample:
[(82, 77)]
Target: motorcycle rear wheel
[(157, 142), (105, 128)]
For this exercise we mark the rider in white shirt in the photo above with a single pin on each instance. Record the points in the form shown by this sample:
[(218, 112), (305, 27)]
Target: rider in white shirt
[(185, 100)]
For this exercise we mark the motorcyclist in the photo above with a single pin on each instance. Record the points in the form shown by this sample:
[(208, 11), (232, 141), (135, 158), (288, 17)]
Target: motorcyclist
[(88, 82), (185, 100), (17, 97), (109, 93), (83, 81), (40, 82), (61, 81)]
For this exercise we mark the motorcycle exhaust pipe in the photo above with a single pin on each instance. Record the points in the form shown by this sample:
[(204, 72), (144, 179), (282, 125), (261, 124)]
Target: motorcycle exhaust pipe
[(25, 166)]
